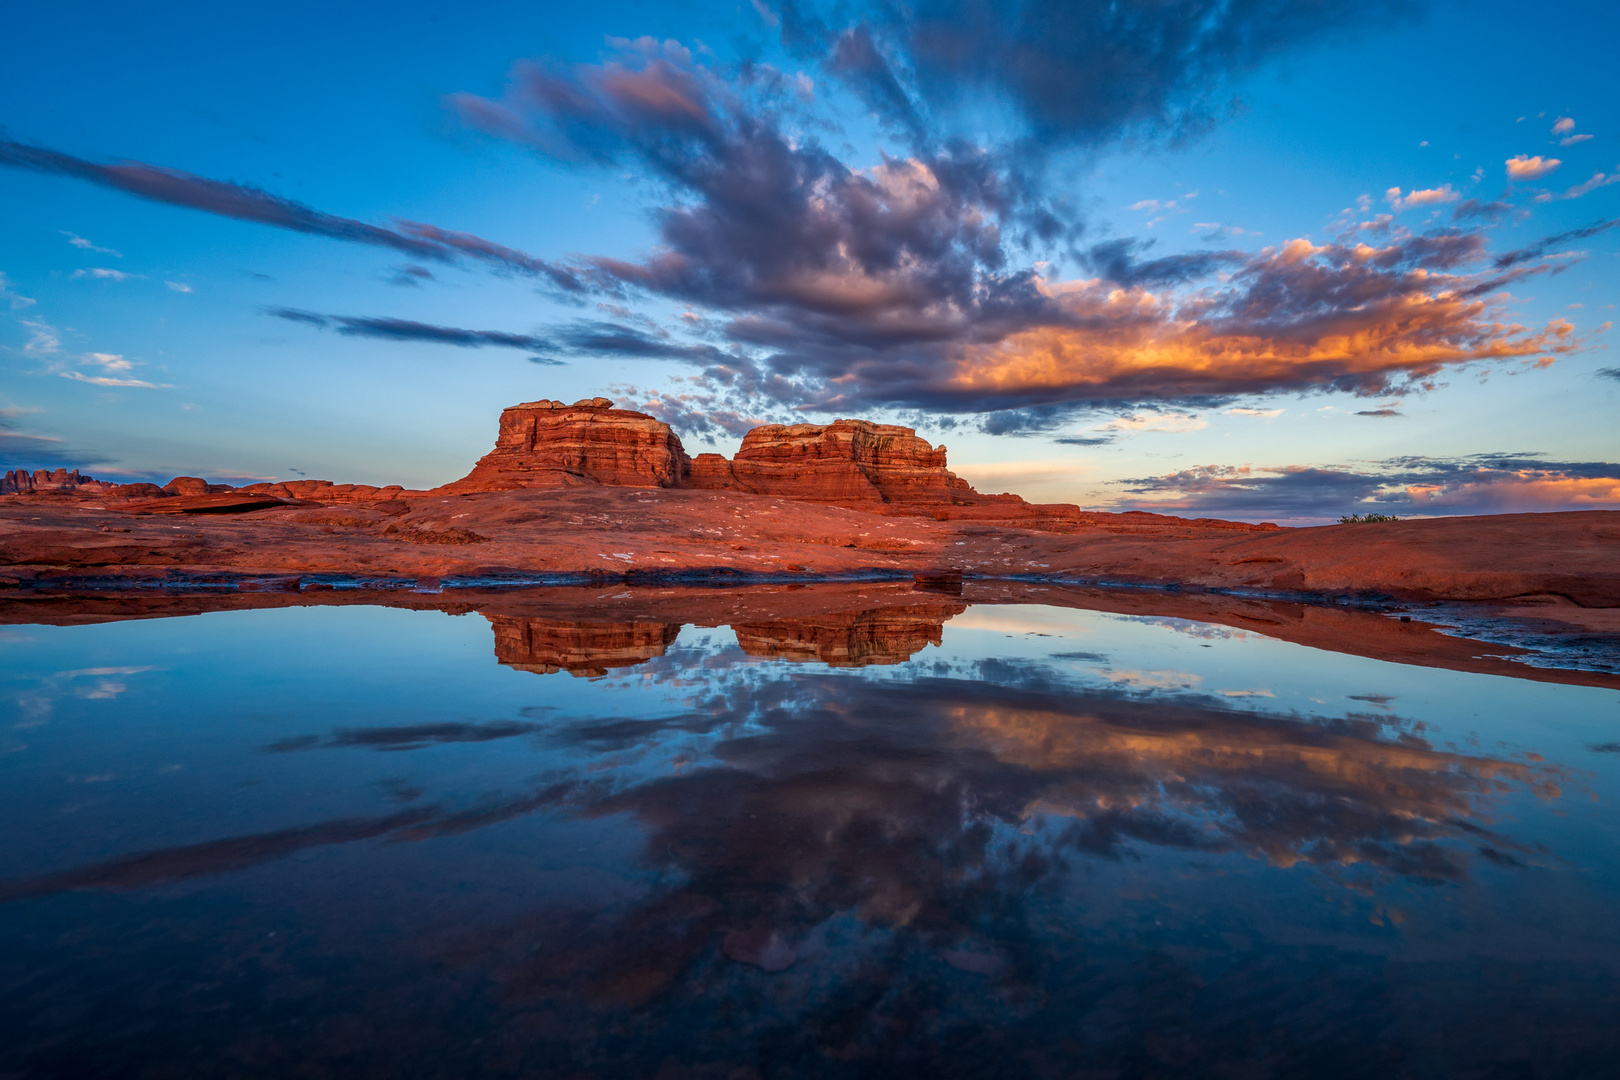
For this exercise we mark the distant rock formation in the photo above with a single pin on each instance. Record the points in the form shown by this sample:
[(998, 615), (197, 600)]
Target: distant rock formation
[(22, 482), (549, 444)]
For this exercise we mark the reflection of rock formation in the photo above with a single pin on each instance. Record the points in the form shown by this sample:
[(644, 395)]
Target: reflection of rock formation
[(579, 648), (849, 639)]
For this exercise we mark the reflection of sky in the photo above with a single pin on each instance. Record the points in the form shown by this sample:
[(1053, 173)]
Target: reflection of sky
[(1043, 774)]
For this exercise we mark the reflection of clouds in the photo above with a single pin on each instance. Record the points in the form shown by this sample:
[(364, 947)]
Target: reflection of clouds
[(1207, 631), (1162, 679), (860, 841)]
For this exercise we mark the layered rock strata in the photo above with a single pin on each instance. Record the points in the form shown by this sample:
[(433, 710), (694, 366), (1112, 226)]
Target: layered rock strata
[(853, 463), (549, 444)]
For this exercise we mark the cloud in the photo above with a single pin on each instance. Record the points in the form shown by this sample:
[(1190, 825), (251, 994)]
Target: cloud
[(1170, 423), (85, 245), (14, 300), (1598, 180), (1609, 373), (178, 287), (1472, 209), (1255, 412), (1543, 248), (1414, 199), (43, 339), (26, 450), (103, 274), (1475, 484), (407, 330), (1115, 260), (1563, 125), (108, 380), (244, 203), (897, 286), (1524, 167), (1573, 139), (1073, 71), (1380, 412), (115, 371)]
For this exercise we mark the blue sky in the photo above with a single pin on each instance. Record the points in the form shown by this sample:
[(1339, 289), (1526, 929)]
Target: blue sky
[(1130, 256)]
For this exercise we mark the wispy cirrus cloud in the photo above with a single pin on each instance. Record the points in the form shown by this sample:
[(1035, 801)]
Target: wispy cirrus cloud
[(102, 273), (245, 203), (15, 300), (113, 369), (410, 330), (85, 245)]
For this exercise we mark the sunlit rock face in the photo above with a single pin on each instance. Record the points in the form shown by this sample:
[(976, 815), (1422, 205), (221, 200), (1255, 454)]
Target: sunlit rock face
[(849, 639), (847, 461), (549, 444), (587, 649)]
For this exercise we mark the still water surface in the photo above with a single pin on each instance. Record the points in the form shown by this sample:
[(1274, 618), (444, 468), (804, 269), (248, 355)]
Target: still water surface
[(1036, 842)]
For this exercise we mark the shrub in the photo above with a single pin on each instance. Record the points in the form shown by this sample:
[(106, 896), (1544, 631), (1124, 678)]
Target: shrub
[(1362, 519)]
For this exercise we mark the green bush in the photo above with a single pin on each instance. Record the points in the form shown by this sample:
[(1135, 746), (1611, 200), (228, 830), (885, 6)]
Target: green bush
[(1361, 519)]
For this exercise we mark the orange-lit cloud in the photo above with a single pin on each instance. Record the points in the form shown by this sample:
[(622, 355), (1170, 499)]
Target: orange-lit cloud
[(1292, 326), (1425, 197), (1525, 167)]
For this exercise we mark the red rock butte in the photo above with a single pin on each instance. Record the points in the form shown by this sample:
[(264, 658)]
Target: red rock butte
[(851, 463)]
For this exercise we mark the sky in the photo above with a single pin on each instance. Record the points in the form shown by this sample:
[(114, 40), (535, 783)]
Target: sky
[(1252, 259)]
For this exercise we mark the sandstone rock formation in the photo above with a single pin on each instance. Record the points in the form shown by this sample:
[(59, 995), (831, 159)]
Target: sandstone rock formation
[(852, 463), (857, 464), (549, 444), (21, 481), (845, 462)]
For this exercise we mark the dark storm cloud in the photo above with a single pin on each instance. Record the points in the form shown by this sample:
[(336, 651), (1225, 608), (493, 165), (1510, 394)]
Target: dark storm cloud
[(1075, 71), (1116, 261), (407, 330), (245, 203), (855, 58), (25, 450), (1480, 483), (897, 286)]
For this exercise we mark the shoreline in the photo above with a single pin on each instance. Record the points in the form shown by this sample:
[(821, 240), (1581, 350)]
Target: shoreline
[(1516, 641)]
